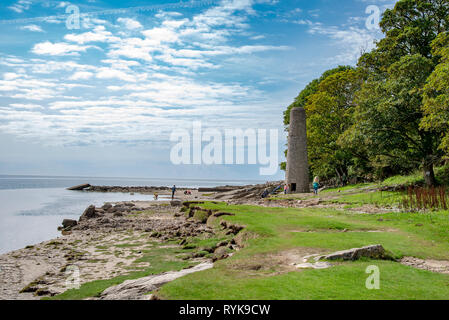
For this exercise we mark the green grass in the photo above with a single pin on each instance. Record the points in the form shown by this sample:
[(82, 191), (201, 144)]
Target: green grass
[(341, 282), (416, 178), (412, 179), (378, 198), (279, 229), (351, 187), (200, 216)]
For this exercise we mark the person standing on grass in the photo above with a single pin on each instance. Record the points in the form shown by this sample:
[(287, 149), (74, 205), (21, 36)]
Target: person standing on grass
[(316, 185), (285, 189), (173, 190)]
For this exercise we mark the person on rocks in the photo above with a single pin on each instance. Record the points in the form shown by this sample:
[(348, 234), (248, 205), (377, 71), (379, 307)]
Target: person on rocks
[(156, 196), (285, 188), (173, 191)]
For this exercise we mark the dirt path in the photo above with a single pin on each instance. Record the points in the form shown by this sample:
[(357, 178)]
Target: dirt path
[(439, 266)]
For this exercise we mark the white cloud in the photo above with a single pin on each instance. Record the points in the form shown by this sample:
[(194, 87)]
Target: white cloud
[(63, 4), (21, 6), (142, 80), (99, 34), (130, 24), (25, 106), (32, 28), (57, 49), (110, 73), (352, 40), (81, 75), (11, 76)]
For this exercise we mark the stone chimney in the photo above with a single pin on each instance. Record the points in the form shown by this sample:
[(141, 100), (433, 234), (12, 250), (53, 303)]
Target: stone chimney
[(297, 176)]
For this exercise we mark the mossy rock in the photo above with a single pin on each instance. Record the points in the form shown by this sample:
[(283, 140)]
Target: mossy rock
[(201, 216), (201, 254), (189, 246)]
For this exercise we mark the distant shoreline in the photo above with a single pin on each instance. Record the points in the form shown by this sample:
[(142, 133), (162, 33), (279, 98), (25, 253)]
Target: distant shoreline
[(129, 178)]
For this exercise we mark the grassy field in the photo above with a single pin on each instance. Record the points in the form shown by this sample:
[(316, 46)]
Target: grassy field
[(258, 270)]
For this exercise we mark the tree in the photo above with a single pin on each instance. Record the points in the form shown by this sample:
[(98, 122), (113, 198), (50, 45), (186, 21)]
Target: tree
[(436, 94), (301, 99), (329, 114), (390, 103)]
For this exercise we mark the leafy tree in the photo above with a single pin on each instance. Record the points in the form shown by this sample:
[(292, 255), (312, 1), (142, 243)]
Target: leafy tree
[(329, 114), (301, 99), (311, 88), (390, 104), (436, 94)]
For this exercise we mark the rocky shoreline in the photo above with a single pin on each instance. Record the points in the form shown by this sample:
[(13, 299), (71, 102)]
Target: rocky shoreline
[(236, 192), (114, 240)]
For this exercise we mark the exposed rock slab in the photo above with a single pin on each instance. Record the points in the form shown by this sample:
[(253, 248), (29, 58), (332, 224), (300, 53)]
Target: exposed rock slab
[(372, 252), (136, 289)]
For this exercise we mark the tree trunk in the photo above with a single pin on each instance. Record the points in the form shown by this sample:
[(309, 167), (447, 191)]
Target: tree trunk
[(429, 174), (338, 176)]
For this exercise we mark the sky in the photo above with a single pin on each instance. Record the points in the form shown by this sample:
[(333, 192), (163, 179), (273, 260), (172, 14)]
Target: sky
[(100, 93)]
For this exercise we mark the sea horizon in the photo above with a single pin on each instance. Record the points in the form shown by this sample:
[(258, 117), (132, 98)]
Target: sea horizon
[(15, 181)]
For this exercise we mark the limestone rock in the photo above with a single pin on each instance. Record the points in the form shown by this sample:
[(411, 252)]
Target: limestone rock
[(136, 289), (89, 213), (220, 254), (372, 252), (106, 206)]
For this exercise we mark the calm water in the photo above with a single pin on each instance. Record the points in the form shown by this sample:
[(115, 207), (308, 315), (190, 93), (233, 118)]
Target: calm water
[(31, 208)]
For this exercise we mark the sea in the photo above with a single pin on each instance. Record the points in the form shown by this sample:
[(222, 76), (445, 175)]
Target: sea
[(32, 207)]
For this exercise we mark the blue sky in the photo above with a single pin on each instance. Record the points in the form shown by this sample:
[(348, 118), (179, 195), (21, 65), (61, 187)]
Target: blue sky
[(102, 100)]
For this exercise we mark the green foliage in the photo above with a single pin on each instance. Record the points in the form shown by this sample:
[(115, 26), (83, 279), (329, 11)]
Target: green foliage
[(302, 99), (329, 114), (310, 89), (388, 116), (436, 94)]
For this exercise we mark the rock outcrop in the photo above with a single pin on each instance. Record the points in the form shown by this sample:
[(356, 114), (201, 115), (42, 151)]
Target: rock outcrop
[(136, 289), (371, 252), (69, 223), (89, 213)]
